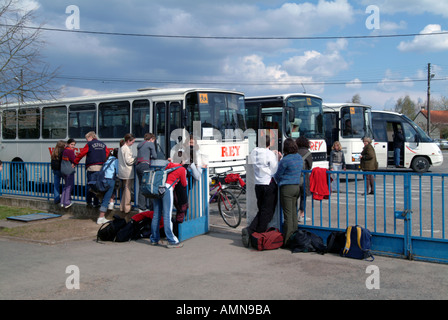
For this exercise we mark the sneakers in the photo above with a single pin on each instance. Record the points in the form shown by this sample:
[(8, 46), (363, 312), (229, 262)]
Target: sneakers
[(101, 220), (175, 245), (302, 219), (110, 206), (245, 237), (69, 205)]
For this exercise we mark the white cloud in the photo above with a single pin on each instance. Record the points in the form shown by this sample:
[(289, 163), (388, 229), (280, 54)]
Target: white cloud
[(414, 7), (426, 43), (252, 69), (314, 63), (354, 84)]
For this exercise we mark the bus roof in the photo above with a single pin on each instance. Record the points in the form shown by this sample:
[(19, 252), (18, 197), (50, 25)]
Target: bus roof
[(141, 93), (389, 112), (344, 104), (282, 96)]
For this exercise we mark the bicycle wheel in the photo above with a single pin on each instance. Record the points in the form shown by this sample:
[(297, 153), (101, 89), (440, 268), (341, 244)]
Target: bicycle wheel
[(229, 208)]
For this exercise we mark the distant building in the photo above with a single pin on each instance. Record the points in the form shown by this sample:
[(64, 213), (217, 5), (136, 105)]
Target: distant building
[(439, 120)]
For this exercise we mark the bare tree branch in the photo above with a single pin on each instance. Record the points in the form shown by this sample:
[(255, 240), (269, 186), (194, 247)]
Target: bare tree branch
[(23, 74)]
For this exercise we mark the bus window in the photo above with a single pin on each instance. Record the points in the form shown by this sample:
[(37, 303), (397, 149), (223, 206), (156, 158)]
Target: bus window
[(113, 119), (308, 117), (219, 111), (9, 124), (29, 123), (54, 122), (352, 122), (140, 118), (160, 117), (331, 129), (410, 135), (81, 120), (379, 131)]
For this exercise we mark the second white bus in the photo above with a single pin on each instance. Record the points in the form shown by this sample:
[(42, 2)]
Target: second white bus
[(348, 123), (292, 115)]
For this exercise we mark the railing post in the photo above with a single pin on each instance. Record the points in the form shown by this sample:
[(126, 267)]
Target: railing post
[(406, 216)]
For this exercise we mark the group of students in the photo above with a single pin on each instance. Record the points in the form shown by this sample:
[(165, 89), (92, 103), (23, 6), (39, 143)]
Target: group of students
[(119, 165), (274, 171)]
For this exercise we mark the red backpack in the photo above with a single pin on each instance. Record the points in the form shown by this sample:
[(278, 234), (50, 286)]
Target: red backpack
[(269, 240)]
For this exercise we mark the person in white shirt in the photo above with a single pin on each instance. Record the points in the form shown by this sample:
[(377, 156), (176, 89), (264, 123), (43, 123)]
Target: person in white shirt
[(265, 164), (126, 160)]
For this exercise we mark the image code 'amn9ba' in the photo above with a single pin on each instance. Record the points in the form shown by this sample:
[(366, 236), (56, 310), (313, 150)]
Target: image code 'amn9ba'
[(237, 309)]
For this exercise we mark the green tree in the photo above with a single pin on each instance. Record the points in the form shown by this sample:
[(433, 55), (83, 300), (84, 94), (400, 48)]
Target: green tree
[(406, 106)]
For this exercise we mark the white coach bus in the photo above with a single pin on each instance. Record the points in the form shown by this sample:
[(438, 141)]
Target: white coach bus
[(292, 115), (29, 131), (419, 151)]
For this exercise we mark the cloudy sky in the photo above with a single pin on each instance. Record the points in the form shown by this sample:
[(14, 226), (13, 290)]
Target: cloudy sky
[(334, 49)]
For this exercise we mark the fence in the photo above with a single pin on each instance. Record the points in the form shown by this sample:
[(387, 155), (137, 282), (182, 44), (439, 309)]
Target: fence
[(406, 214), (35, 179)]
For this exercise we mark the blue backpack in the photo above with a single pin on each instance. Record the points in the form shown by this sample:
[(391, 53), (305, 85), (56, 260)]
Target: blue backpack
[(358, 243), (98, 182), (153, 184)]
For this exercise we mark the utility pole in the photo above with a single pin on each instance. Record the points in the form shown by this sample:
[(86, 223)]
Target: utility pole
[(428, 118)]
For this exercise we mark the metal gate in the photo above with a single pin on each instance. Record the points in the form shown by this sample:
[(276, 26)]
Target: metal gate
[(406, 214)]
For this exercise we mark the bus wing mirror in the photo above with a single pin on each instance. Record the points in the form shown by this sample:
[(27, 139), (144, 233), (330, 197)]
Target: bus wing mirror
[(292, 115)]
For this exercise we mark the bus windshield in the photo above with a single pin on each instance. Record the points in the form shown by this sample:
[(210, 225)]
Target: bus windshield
[(308, 117), (423, 136), (220, 111), (355, 122)]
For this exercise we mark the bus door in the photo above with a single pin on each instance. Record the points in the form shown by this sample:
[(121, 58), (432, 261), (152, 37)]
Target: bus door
[(167, 117), (380, 144), (331, 129), (271, 118)]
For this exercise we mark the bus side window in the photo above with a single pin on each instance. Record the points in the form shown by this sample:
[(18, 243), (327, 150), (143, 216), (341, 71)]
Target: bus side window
[(410, 135), (379, 131)]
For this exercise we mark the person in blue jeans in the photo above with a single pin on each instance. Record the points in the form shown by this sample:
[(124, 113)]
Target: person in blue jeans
[(164, 207), (111, 169), (56, 158)]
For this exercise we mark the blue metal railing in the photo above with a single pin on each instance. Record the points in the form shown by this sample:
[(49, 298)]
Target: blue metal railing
[(406, 213), (35, 179)]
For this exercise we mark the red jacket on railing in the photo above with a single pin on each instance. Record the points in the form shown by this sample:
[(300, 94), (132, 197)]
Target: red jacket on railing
[(319, 183)]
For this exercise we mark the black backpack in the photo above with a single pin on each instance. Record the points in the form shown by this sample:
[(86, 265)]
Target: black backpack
[(109, 230), (134, 230), (118, 230), (305, 241), (336, 242)]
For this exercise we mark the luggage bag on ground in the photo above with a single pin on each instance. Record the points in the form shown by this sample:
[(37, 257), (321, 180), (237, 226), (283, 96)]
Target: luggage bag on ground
[(269, 240), (358, 243)]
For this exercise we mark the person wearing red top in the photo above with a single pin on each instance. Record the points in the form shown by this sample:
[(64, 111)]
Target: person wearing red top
[(69, 180), (163, 207)]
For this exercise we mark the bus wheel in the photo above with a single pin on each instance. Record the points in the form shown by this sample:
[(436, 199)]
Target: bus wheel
[(420, 164)]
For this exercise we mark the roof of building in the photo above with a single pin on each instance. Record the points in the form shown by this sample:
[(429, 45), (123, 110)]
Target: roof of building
[(437, 116)]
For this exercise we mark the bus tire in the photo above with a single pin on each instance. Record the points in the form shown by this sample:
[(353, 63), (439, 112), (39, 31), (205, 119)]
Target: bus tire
[(420, 164)]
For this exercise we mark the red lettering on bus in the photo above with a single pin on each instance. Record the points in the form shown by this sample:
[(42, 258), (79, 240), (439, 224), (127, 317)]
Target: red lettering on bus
[(230, 151), (315, 145)]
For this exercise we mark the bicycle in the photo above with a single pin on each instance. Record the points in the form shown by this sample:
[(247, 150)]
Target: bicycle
[(236, 184), (228, 206)]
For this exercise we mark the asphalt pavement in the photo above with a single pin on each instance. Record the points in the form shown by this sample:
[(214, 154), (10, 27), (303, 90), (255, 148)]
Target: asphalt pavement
[(214, 266)]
